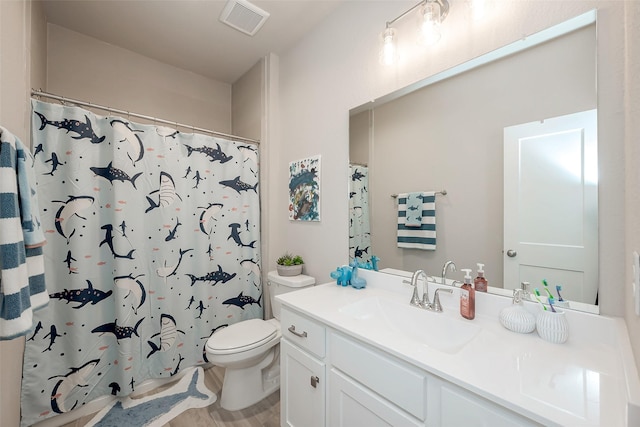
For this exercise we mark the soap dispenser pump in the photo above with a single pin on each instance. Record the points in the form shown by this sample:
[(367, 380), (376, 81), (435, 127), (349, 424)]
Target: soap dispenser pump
[(480, 282), (467, 297)]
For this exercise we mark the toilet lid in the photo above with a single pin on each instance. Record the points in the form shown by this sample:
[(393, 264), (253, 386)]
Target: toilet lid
[(241, 336)]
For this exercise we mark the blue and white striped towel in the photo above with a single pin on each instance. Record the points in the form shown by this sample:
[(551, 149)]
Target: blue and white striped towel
[(22, 285), (424, 235)]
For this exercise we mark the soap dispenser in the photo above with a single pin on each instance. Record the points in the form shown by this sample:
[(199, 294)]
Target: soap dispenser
[(467, 297), (480, 283), (515, 317)]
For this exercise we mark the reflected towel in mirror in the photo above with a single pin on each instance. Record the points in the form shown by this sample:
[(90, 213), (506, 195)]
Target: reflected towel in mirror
[(422, 235)]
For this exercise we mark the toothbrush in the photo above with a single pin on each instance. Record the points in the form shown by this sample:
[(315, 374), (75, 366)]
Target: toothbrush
[(551, 302), (546, 288), (537, 293), (558, 289)]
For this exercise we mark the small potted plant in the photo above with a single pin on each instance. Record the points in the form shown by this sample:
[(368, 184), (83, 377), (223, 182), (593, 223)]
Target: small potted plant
[(289, 265)]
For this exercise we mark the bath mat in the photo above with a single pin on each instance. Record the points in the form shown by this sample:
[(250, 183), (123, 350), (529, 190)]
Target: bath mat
[(158, 409)]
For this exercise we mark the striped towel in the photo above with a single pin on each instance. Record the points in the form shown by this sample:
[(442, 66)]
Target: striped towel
[(424, 236), (22, 286)]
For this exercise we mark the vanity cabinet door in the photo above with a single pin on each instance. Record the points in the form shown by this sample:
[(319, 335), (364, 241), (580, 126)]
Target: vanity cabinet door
[(351, 404), (459, 407), (302, 388)]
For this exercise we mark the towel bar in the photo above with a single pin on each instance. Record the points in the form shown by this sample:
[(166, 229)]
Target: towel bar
[(443, 192)]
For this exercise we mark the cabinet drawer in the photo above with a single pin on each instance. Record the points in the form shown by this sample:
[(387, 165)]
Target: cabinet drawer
[(403, 386), (303, 331)]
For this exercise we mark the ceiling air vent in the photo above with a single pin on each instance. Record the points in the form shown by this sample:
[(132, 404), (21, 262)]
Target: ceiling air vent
[(243, 16)]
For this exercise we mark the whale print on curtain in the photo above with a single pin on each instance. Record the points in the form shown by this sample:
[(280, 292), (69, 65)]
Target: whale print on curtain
[(153, 244), (359, 227)]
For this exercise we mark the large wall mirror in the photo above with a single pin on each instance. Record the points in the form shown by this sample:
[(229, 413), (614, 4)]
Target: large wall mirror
[(531, 104)]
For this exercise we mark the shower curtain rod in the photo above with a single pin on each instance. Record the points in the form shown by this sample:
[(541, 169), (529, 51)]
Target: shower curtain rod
[(140, 116)]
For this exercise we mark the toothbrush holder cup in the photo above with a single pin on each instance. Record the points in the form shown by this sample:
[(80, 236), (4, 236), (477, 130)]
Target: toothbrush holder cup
[(553, 327)]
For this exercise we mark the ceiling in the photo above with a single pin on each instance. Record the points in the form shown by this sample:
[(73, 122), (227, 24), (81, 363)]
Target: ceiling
[(187, 33)]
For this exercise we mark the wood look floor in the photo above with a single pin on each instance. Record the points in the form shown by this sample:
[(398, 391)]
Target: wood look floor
[(265, 413)]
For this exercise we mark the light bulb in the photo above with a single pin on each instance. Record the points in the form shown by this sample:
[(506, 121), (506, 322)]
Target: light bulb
[(429, 23), (389, 48)]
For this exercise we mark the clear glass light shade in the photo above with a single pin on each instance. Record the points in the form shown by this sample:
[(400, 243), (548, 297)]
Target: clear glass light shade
[(388, 47), (429, 23)]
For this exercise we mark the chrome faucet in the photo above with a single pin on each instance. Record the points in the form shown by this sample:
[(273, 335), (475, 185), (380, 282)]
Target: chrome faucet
[(447, 265), (425, 303)]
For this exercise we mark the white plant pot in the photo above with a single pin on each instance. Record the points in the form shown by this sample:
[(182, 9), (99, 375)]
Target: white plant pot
[(289, 270)]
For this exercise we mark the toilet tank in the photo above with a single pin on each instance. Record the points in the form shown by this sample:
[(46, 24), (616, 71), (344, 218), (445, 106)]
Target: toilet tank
[(283, 284)]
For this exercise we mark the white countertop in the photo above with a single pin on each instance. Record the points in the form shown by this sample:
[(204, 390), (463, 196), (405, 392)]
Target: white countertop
[(587, 381)]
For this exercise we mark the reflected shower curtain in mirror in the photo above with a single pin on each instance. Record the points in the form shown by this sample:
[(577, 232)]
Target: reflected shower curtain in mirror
[(359, 234), (153, 244)]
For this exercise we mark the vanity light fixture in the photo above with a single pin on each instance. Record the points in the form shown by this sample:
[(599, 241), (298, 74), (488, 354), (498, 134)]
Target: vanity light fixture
[(430, 14)]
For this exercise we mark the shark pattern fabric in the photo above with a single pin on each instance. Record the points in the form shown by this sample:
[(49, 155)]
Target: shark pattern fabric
[(153, 234), (359, 223)]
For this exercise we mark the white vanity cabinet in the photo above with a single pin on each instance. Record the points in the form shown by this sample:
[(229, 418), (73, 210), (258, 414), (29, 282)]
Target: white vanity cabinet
[(329, 378)]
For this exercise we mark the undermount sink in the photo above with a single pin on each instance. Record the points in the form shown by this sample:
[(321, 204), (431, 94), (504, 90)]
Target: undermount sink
[(435, 330)]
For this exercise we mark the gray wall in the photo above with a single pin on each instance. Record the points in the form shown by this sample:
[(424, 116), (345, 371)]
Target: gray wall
[(111, 76), (360, 133), (247, 103)]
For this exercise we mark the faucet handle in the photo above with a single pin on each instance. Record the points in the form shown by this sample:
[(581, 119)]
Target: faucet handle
[(437, 307)]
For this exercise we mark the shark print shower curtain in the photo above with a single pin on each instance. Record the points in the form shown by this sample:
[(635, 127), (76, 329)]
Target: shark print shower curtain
[(359, 226), (153, 243)]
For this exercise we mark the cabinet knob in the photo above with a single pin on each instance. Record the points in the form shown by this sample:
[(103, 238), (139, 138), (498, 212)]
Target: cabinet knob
[(292, 329), (314, 381)]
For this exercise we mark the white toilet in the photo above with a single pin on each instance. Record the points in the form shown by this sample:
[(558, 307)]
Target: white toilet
[(247, 350)]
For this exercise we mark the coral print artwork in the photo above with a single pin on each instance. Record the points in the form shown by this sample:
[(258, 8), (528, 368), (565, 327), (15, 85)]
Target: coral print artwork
[(304, 189)]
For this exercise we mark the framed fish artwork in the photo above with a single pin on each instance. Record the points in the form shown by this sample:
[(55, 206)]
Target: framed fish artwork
[(304, 189)]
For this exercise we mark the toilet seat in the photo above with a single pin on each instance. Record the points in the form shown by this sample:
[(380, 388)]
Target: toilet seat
[(241, 336)]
